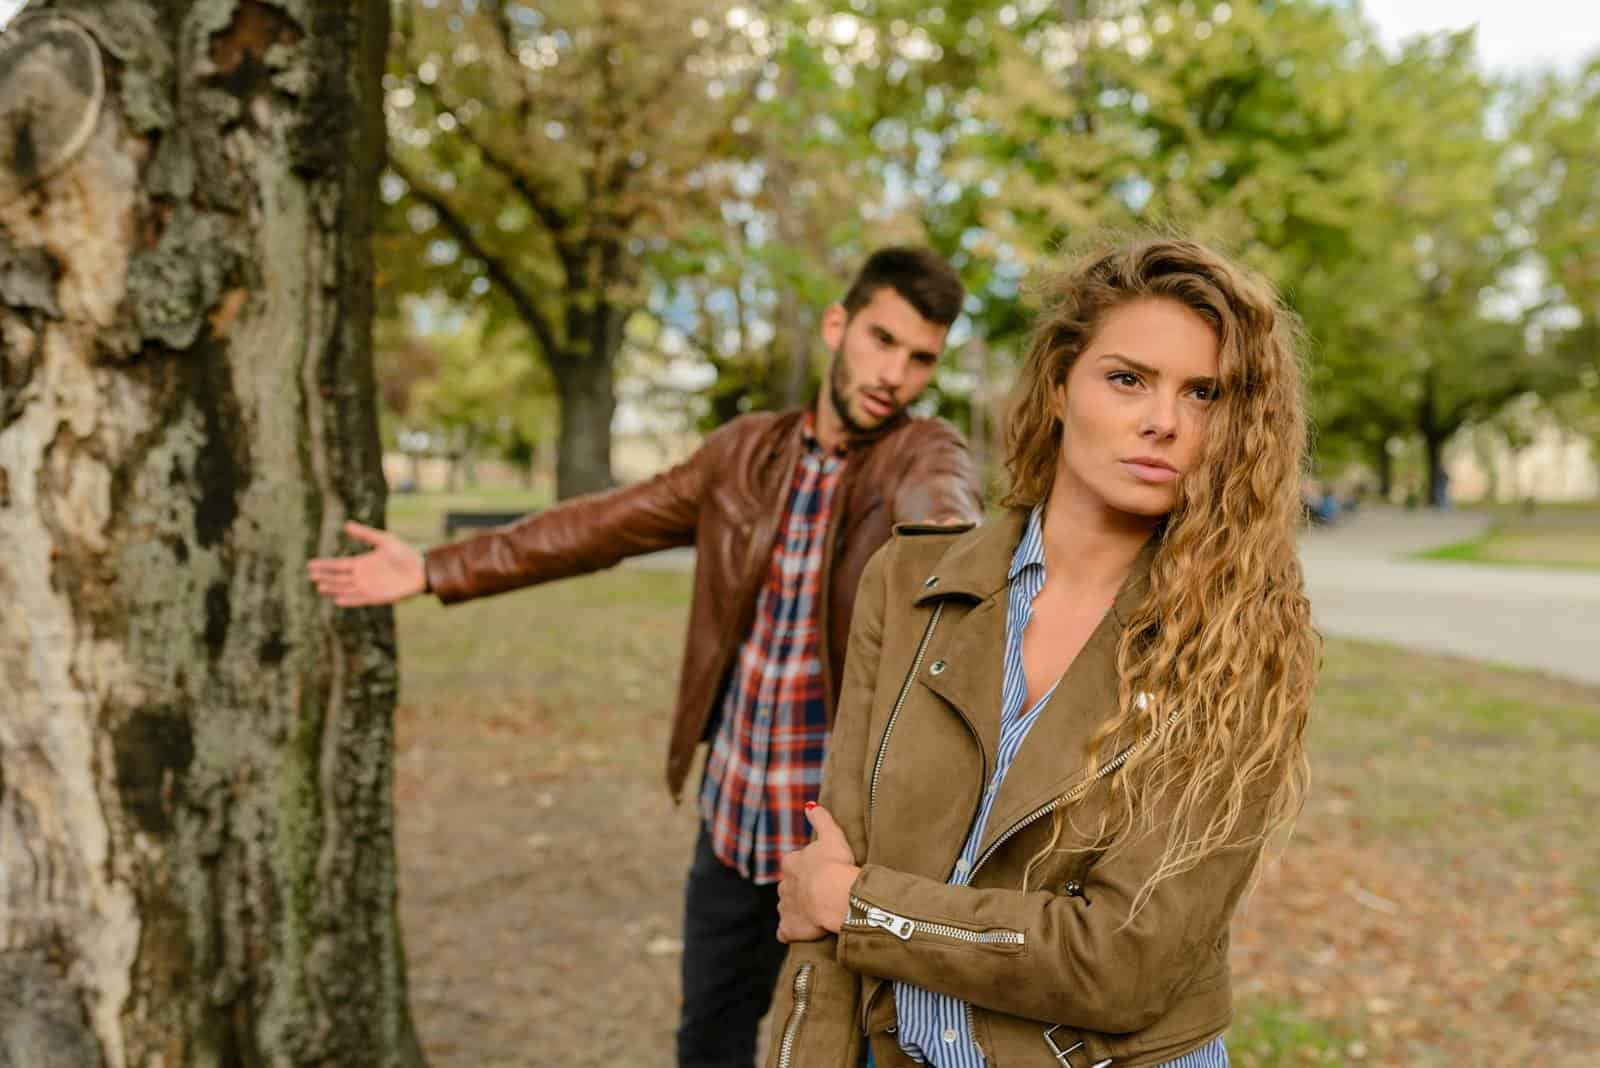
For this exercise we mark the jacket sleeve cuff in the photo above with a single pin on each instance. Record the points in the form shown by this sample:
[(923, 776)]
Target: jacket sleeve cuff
[(927, 927), (443, 575)]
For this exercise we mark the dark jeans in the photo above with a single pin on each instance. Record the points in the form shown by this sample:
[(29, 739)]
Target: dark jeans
[(731, 960)]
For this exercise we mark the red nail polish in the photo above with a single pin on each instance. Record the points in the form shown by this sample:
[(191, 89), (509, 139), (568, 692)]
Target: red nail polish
[(810, 805)]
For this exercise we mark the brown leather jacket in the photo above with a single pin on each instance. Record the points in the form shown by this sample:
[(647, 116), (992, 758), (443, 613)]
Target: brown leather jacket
[(915, 741), (727, 500)]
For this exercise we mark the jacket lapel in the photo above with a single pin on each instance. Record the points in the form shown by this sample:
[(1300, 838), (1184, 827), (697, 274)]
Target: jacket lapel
[(960, 668), (964, 665), (1054, 756)]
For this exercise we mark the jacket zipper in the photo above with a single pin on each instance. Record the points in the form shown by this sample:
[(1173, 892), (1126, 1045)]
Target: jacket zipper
[(1070, 796), (903, 928), (899, 702), (802, 995)]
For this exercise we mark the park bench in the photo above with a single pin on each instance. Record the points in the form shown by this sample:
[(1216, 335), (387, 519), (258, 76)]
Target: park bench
[(476, 520)]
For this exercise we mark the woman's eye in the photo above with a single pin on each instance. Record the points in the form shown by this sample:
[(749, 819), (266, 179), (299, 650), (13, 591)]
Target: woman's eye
[(1205, 393), (1123, 378)]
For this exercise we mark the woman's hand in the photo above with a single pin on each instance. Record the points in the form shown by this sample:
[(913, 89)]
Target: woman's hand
[(814, 891)]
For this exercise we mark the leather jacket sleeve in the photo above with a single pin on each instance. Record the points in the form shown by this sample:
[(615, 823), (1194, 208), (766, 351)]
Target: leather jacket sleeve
[(817, 1000), (940, 481), (579, 536)]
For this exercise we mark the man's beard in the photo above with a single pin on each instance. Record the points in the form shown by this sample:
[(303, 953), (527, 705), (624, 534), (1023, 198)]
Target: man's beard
[(839, 392)]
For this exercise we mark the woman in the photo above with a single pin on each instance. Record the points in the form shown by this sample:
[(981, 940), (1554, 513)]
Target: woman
[(1065, 736)]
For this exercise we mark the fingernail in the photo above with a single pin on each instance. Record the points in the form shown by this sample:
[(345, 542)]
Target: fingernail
[(810, 805)]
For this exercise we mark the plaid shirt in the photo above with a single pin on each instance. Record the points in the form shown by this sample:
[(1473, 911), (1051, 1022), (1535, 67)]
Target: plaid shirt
[(766, 757)]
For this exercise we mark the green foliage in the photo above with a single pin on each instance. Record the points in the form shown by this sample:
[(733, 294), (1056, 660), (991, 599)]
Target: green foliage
[(464, 386), (722, 168)]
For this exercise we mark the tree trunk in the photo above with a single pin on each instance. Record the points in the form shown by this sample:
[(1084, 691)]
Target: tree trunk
[(976, 357), (583, 451), (1438, 492), (1433, 436), (1384, 464), (797, 335), (196, 837)]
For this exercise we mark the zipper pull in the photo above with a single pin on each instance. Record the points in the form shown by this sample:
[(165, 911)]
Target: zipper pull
[(898, 926)]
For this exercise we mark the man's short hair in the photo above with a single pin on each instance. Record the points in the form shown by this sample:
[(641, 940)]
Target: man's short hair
[(919, 275)]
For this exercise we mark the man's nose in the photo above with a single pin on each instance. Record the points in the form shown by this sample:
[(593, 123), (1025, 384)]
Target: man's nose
[(892, 372)]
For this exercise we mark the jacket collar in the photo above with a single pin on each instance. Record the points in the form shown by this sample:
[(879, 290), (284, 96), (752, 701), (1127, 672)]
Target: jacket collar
[(978, 563)]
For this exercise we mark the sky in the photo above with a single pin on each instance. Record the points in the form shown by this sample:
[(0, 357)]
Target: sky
[(1513, 37)]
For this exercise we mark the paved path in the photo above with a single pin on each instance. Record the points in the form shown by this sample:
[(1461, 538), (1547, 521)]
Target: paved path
[(1548, 620), (1361, 587)]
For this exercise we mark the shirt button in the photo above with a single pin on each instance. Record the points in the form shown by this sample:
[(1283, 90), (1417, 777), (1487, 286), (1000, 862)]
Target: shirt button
[(950, 1036), (962, 866), (936, 668)]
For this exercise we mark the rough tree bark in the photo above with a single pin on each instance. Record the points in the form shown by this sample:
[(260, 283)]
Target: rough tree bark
[(196, 845)]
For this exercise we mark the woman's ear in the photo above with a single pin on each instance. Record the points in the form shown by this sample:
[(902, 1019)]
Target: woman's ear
[(1058, 400)]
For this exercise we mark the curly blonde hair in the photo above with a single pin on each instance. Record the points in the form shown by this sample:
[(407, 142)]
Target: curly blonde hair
[(1223, 640)]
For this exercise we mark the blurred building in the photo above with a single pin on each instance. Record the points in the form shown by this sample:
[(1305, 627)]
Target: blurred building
[(1556, 465)]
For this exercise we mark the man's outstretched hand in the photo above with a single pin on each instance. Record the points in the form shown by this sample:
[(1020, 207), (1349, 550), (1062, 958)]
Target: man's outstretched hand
[(390, 572)]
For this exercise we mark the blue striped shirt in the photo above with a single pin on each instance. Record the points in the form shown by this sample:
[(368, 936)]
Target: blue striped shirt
[(933, 1027)]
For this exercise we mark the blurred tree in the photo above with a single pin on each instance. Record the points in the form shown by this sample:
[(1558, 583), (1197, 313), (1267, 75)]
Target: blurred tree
[(1368, 187), (843, 151), (486, 395), (1558, 176), (540, 154)]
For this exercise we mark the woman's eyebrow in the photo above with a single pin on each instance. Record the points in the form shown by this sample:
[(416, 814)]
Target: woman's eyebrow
[(1151, 372), (1142, 368)]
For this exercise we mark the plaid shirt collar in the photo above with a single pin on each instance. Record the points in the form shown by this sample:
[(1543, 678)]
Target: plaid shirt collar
[(808, 434)]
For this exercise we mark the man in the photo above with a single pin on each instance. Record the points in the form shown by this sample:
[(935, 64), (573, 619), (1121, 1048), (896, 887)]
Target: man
[(784, 509)]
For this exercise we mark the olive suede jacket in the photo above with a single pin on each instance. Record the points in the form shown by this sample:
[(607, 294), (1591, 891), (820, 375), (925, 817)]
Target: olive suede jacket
[(913, 746)]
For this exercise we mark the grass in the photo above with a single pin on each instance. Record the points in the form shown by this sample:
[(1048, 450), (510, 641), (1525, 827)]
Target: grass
[(1440, 897), (1563, 537), (1271, 1034)]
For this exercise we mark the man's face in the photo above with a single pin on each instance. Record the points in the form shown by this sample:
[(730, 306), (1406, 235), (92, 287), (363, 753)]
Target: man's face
[(883, 358)]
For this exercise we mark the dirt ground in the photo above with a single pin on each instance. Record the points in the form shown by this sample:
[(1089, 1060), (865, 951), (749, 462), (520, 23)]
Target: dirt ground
[(541, 920)]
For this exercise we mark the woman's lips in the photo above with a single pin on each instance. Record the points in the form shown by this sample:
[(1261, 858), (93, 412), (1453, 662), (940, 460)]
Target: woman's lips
[(1148, 472)]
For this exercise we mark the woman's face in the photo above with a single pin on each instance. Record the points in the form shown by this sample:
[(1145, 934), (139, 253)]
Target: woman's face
[(1135, 405)]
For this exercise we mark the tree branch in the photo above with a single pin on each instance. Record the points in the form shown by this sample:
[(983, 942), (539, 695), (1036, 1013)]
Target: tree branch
[(527, 310), (554, 220)]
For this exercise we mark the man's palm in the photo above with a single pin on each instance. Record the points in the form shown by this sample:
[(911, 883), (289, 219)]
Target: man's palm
[(390, 572)]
